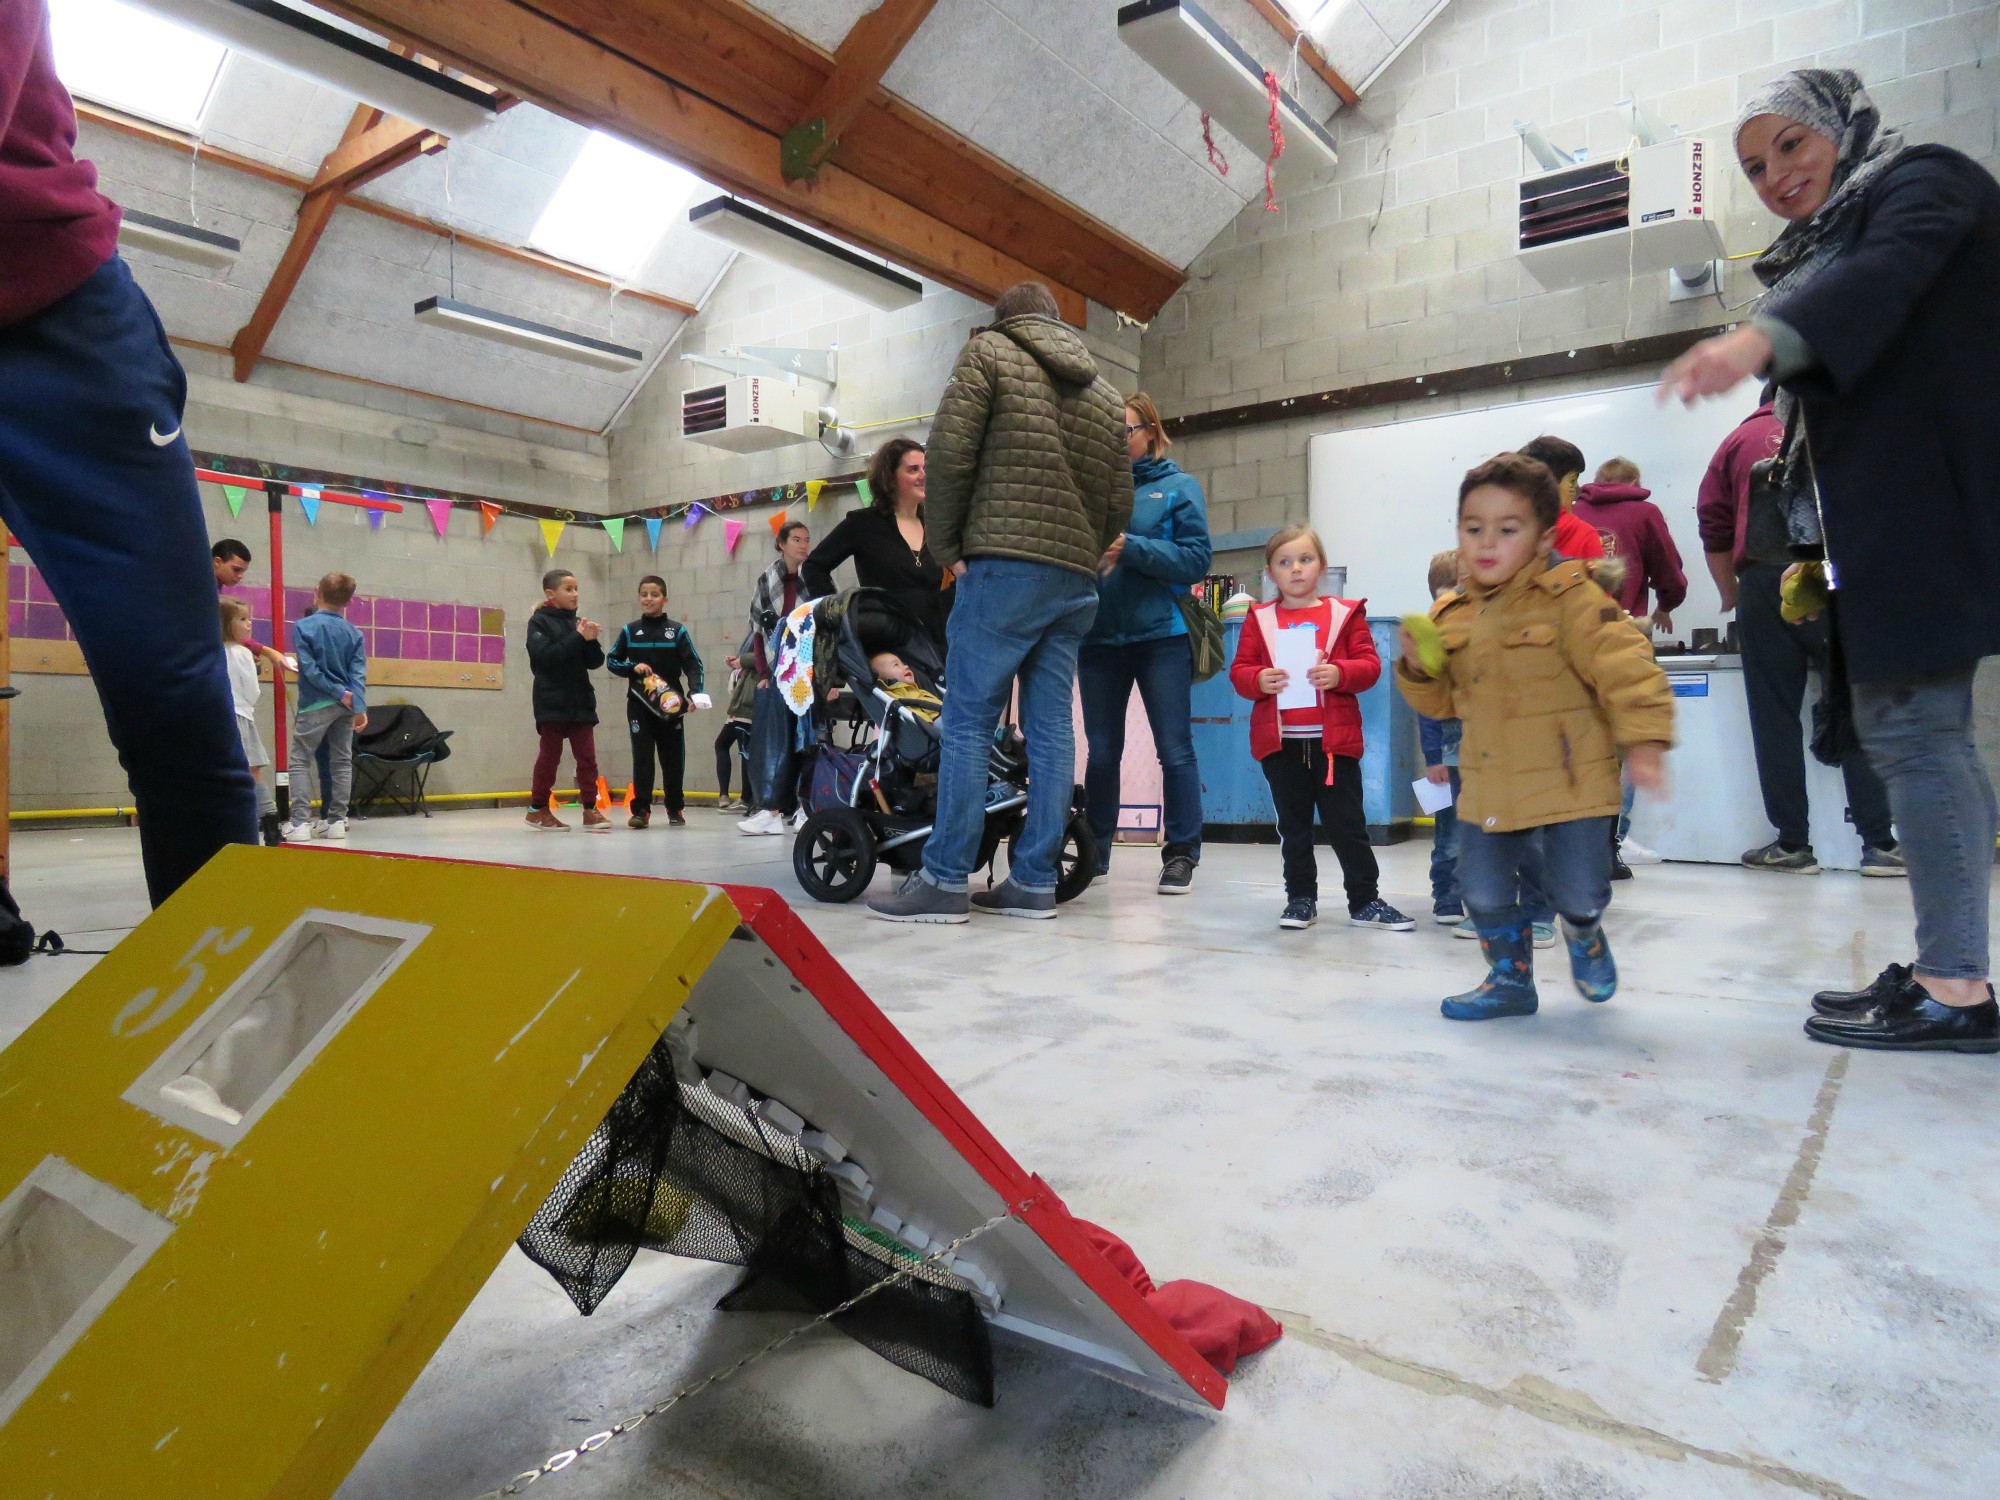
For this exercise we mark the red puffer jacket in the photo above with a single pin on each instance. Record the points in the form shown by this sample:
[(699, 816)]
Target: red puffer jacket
[(1352, 650)]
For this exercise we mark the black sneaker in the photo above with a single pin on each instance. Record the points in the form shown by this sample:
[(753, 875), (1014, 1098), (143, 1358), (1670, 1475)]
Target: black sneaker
[(1884, 863), (1890, 983), (1379, 913), (1619, 869), (1775, 856), (1177, 876), (677, 820), (1300, 914)]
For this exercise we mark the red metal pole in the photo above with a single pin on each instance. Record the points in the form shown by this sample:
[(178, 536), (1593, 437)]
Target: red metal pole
[(274, 495)]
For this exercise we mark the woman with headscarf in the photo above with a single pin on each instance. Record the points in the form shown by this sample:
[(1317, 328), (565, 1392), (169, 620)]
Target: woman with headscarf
[(1881, 328)]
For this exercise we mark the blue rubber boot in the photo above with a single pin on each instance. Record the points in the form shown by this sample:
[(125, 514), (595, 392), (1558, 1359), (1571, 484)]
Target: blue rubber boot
[(1509, 986), (1590, 962)]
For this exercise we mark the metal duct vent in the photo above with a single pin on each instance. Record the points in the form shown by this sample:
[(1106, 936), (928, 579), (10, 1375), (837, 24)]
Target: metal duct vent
[(1577, 201), (705, 410)]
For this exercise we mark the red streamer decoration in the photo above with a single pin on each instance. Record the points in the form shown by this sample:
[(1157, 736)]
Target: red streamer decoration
[(1277, 141), (1215, 157)]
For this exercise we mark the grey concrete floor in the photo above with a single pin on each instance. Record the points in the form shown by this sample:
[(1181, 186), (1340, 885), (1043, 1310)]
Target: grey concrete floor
[(1660, 1248)]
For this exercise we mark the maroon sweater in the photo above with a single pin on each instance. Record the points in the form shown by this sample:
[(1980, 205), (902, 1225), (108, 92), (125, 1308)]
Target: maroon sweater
[(1636, 533), (1723, 509), (55, 227)]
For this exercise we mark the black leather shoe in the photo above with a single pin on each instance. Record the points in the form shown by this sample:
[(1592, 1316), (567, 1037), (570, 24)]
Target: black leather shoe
[(1924, 1026), (1886, 986), (1619, 869)]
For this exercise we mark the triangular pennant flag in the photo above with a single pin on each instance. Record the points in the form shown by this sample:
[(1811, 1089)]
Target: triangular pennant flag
[(867, 495), (653, 524), (732, 533), (374, 520), (440, 514), (615, 527), (309, 503), (551, 533), (488, 514), (813, 487), (777, 521), (234, 494), (695, 511)]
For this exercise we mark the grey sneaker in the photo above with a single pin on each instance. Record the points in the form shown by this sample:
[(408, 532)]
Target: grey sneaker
[(1774, 856), (1884, 863), (1379, 913), (1008, 900), (1177, 876), (1466, 929), (1545, 934), (917, 900), (1300, 914)]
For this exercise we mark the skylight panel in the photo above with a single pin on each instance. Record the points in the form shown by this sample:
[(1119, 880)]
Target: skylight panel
[(1305, 12), (612, 207), (133, 60)]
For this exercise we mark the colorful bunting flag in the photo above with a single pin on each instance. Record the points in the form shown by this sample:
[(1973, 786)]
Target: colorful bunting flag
[(776, 521), (488, 514), (614, 526), (234, 494), (813, 487), (551, 533), (732, 533), (867, 495), (440, 514), (309, 503), (695, 511), (374, 520), (653, 524)]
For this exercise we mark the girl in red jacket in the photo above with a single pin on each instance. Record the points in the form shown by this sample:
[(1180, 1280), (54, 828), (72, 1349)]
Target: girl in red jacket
[(1311, 753)]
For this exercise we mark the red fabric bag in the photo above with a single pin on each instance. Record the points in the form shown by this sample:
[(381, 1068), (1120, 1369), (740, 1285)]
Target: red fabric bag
[(1222, 1328)]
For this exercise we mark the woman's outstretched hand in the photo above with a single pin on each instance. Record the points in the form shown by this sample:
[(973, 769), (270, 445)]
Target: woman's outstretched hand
[(1715, 365)]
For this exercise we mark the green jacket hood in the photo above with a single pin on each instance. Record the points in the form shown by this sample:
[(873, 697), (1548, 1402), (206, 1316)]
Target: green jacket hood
[(1056, 347)]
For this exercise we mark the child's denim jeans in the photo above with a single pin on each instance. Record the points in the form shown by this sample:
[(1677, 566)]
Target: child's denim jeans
[(1494, 870)]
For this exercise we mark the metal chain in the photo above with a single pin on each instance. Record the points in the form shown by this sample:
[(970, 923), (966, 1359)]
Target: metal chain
[(555, 1463)]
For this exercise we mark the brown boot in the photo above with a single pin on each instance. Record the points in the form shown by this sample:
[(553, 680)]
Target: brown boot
[(544, 821), (639, 819), (595, 821)]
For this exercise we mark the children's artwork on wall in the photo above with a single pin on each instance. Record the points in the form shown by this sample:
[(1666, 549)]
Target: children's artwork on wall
[(410, 642)]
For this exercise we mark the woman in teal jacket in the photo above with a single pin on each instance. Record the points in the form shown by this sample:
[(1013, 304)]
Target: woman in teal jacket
[(1141, 640)]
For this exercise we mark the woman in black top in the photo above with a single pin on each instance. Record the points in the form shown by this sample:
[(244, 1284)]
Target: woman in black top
[(886, 541)]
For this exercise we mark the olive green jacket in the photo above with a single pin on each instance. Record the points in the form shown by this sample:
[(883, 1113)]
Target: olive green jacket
[(1027, 455)]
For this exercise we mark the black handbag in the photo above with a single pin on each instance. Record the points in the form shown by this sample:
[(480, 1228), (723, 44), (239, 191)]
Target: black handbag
[(1834, 736)]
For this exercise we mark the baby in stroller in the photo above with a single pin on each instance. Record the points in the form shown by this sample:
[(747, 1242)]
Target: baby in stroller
[(898, 679)]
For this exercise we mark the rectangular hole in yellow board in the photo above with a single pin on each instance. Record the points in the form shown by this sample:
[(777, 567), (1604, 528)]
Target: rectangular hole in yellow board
[(68, 1245), (238, 1059)]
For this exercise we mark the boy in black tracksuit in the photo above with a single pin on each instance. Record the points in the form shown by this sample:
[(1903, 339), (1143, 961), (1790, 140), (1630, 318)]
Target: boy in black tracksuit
[(563, 650), (654, 646)]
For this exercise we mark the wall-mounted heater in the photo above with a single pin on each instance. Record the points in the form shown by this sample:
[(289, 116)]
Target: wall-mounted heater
[(202, 247), (770, 238), (340, 59), (1189, 49), (504, 328), (1603, 220), (749, 415)]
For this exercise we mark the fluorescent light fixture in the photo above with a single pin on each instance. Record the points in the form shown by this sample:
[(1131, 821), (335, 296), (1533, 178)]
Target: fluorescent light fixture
[(204, 247), (770, 238), (503, 328), (339, 59), (133, 61), (612, 207), (1188, 48)]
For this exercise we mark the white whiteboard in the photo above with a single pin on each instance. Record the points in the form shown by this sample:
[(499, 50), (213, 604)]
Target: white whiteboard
[(1385, 498)]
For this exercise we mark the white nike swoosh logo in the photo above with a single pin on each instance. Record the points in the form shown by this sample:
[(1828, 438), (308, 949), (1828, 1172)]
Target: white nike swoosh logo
[(161, 439)]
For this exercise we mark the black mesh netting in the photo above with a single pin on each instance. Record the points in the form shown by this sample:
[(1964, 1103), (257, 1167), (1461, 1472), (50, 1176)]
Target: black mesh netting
[(658, 1176)]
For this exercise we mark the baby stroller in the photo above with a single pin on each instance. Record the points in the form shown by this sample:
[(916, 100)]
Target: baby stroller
[(873, 801)]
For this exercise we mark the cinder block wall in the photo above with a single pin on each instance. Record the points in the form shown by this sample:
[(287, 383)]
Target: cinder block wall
[(61, 756)]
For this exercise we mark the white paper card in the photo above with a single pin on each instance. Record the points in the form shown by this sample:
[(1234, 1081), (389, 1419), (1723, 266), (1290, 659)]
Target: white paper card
[(1431, 797), (1297, 653)]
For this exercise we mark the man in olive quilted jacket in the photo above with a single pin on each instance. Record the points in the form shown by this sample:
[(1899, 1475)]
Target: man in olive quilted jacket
[(1029, 485)]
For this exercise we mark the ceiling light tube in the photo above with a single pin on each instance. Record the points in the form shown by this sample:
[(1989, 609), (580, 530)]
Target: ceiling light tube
[(202, 247), (339, 59), (502, 328), (770, 238)]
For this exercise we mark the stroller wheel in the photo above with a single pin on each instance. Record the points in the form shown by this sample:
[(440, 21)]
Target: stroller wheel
[(1076, 860), (834, 855)]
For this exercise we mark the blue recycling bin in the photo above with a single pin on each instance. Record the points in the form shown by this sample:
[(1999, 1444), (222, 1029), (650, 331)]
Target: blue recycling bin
[(1235, 800)]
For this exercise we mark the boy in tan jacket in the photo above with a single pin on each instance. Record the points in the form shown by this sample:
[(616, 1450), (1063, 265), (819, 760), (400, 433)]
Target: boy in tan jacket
[(1553, 682)]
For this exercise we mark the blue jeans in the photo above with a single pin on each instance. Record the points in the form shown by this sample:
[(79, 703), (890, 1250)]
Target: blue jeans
[(1012, 618), (1575, 874), (112, 517), (773, 753), (1444, 849), (1163, 671), (1918, 736), (327, 731)]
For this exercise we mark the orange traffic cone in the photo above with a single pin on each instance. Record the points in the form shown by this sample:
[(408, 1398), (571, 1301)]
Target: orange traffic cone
[(603, 803), (630, 792)]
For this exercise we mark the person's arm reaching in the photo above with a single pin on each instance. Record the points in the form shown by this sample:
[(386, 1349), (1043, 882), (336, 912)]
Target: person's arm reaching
[(1662, 559)]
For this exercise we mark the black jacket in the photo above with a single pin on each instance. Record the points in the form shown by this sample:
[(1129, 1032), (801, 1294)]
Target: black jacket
[(1902, 413), (562, 662), (882, 560), (667, 646)]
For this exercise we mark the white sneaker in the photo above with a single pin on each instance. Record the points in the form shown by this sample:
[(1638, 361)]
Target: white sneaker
[(762, 822), (798, 821), (1636, 853), (333, 828), (297, 833)]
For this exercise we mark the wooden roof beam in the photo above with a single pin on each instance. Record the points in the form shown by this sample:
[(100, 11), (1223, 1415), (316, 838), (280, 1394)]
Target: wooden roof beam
[(1309, 52), (866, 54)]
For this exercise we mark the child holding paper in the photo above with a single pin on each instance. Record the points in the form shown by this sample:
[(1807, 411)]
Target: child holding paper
[(1302, 660)]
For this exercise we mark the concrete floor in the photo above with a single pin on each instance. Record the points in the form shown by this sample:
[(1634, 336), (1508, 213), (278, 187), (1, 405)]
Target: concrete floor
[(1551, 1257)]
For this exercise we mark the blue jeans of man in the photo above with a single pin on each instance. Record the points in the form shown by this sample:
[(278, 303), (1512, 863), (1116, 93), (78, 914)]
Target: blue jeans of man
[(97, 482), (773, 753), (1163, 671), (1574, 874), (1918, 735), (1023, 619)]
